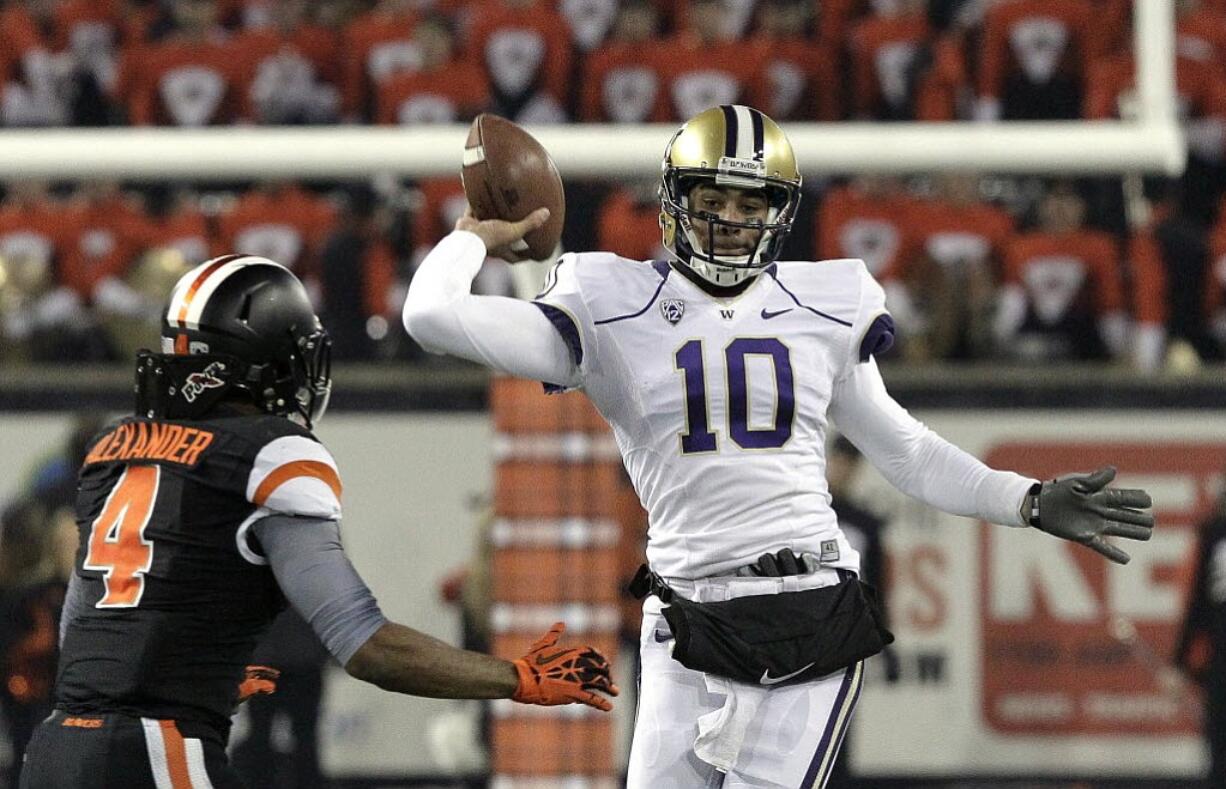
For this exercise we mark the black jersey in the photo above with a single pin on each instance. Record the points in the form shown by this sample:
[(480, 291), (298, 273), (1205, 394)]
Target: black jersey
[(1202, 642), (172, 596)]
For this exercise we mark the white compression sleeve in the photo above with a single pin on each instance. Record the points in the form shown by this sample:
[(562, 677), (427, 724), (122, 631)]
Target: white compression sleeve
[(916, 460), (509, 335)]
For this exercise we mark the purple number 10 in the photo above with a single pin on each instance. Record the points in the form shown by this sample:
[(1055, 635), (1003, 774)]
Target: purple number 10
[(698, 436)]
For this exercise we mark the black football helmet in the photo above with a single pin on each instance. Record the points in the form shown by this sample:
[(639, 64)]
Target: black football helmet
[(238, 324)]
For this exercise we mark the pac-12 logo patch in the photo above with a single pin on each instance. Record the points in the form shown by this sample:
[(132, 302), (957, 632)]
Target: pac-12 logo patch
[(208, 379), (672, 310)]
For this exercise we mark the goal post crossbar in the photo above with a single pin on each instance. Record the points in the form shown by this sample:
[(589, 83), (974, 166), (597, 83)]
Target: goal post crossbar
[(1151, 142)]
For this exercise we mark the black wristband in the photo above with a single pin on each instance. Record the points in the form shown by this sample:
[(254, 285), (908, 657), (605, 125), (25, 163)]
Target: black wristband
[(1030, 504)]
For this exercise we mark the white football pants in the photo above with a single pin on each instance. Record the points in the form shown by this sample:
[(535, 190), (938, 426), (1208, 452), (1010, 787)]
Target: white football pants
[(694, 731)]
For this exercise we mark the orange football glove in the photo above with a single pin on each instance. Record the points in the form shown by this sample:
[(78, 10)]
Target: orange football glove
[(566, 675), (258, 680)]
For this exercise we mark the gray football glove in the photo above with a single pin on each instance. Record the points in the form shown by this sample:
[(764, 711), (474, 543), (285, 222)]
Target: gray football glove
[(1081, 508)]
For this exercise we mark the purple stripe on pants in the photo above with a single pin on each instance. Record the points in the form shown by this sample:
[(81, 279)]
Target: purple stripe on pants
[(830, 737)]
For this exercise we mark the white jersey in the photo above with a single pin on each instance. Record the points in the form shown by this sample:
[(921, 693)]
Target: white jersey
[(719, 406)]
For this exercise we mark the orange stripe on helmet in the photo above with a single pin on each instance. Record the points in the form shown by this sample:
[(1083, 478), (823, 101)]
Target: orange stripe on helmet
[(176, 756), (199, 281), (297, 468)]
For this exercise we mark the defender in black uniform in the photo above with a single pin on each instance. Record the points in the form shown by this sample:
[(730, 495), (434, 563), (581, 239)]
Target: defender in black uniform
[(1201, 651), (199, 517)]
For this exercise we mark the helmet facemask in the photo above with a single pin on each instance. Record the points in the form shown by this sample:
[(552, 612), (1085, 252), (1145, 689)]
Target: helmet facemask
[(313, 376), (698, 252)]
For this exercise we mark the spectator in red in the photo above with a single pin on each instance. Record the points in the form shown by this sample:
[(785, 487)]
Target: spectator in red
[(830, 18), (30, 226), (174, 220), (524, 47), (197, 75), (802, 79), (942, 294), (376, 45), (438, 204), (444, 89), (280, 221), (33, 78), (1200, 30), (865, 219), (297, 70), (628, 223), (1113, 83), (703, 67), (40, 316), (1062, 296), (1215, 285), (92, 33), (891, 53), (1034, 56), (590, 21), (833, 18), (1175, 287), (358, 278), (1149, 299), (622, 78), (102, 228)]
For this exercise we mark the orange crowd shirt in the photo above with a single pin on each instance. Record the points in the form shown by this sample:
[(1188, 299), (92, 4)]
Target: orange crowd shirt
[(622, 84), (521, 50), (1110, 77), (954, 235), (1059, 272), (1039, 38), (884, 52), (628, 227), (697, 77), (871, 228), (288, 225), (182, 82), (102, 237), (457, 92), (802, 80), (375, 46)]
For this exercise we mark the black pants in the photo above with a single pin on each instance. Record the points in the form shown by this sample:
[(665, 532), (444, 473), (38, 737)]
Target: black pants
[(115, 751), (22, 720), (1215, 727), (298, 697)]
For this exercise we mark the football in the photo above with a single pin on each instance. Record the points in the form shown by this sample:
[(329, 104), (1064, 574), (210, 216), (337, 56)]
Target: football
[(507, 175)]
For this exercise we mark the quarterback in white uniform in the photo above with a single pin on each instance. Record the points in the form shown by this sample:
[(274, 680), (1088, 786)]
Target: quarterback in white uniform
[(720, 372)]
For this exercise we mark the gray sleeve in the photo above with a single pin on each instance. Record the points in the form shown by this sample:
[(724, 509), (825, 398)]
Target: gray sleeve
[(310, 565)]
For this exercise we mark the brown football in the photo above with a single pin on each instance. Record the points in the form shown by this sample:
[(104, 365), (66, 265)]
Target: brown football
[(507, 175)]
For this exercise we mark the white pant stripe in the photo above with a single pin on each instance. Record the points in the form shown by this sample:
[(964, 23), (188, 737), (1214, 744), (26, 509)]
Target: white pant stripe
[(195, 764), (156, 746)]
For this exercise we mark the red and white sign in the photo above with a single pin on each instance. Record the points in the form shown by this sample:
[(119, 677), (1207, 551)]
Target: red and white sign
[(1054, 660)]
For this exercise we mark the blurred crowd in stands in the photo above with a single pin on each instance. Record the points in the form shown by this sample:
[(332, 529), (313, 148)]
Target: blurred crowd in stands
[(38, 544), (1124, 269)]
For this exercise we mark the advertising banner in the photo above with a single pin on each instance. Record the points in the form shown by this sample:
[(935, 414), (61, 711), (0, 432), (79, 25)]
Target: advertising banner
[(1019, 653)]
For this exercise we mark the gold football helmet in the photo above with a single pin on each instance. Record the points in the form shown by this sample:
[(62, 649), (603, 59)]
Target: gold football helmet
[(729, 145)]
